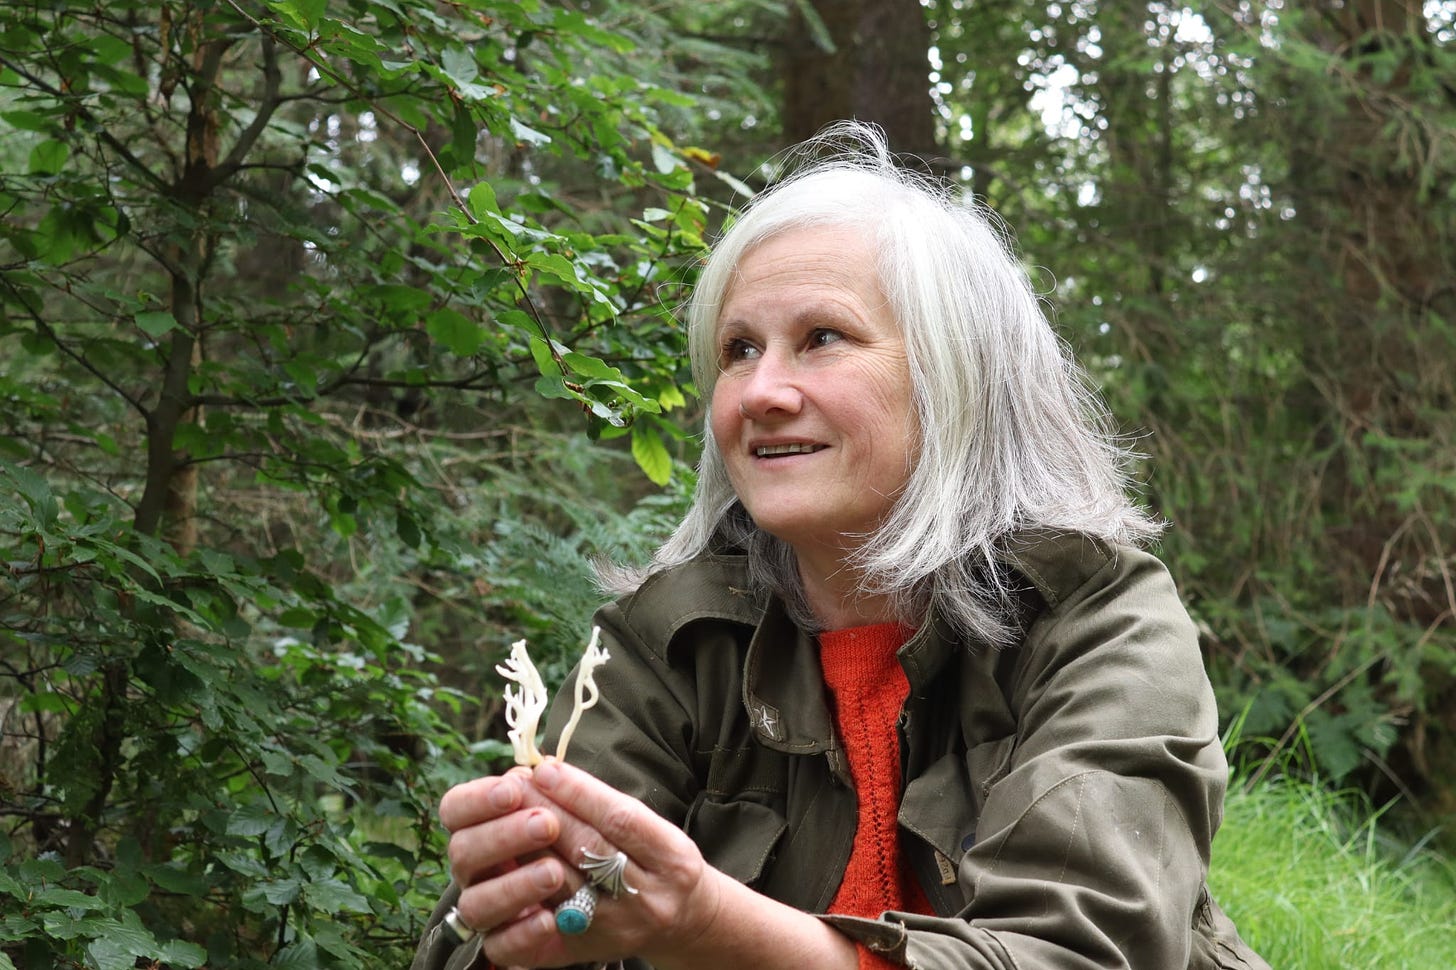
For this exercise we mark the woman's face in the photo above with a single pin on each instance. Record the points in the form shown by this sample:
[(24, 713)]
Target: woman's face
[(812, 410)]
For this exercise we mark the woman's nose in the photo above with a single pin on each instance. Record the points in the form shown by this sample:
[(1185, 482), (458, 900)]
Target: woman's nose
[(771, 389)]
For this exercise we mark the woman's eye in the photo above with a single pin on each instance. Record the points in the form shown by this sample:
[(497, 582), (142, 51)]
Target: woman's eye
[(738, 349), (823, 336)]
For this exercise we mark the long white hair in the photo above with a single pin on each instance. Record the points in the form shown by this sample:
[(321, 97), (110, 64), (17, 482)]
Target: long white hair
[(1011, 436)]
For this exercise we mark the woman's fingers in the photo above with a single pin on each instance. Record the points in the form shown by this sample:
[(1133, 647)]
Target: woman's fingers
[(624, 822), (492, 829), (517, 845), (483, 849), (483, 799), (511, 896)]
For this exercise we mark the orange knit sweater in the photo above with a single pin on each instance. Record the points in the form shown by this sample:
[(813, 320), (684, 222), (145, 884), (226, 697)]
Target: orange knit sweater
[(869, 689)]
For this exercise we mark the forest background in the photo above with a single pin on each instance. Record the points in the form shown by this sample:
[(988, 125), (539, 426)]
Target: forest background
[(335, 338)]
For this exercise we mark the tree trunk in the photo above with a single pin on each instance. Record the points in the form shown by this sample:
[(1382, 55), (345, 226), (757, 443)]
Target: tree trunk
[(878, 70)]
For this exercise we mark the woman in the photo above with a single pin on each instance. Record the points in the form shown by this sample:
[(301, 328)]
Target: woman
[(900, 690)]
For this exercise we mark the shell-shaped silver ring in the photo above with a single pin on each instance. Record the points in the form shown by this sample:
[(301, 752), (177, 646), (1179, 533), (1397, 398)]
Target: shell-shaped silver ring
[(606, 872)]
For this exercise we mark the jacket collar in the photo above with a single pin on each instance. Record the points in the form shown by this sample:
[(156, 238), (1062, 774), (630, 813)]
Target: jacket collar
[(783, 683)]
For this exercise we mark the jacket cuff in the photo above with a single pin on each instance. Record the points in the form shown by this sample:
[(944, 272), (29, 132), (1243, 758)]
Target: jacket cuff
[(880, 937)]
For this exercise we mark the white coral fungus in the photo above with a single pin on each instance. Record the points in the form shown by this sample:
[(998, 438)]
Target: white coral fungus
[(586, 688), (525, 705)]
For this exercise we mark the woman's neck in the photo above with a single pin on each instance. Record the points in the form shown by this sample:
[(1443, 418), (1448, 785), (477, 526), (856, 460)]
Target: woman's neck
[(835, 595)]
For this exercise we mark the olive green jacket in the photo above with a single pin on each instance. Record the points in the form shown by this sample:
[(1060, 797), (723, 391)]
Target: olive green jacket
[(1060, 796)]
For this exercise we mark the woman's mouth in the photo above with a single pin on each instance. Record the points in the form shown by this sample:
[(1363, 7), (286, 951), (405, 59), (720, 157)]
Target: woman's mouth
[(798, 448)]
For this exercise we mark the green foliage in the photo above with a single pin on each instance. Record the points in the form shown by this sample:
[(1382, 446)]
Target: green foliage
[(1246, 214), (1315, 881), (224, 759), (300, 304)]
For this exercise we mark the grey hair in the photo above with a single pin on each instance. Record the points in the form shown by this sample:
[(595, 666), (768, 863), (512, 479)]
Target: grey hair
[(1012, 437)]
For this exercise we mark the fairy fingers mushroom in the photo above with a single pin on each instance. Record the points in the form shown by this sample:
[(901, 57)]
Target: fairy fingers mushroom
[(587, 693), (526, 703)]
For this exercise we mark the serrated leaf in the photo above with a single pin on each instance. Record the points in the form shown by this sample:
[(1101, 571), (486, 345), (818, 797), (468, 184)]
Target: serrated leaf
[(67, 898), (301, 955), (250, 820), (35, 490), (333, 896), (651, 454), (179, 953)]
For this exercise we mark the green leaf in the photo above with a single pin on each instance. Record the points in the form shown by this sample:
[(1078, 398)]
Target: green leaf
[(250, 820), (301, 955), (541, 354), (154, 323), (651, 454), (461, 335), (301, 13), (482, 200), (28, 120), (592, 367), (334, 896), (35, 491), (663, 158), (737, 186), (527, 135), (179, 953), (49, 157), (554, 386), (459, 65)]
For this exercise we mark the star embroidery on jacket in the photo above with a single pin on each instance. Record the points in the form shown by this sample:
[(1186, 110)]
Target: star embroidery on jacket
[(768, 721)]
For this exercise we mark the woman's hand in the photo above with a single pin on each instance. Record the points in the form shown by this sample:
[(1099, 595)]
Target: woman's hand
[(499, 849), (515, 849), (515, 846)]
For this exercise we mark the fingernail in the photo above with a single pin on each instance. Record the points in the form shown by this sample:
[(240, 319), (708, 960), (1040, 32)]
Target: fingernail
[(548, 775), (504, 794), (538, 827), (543, 876)]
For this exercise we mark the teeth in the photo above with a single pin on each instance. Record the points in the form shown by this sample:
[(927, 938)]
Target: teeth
[(768, 451)]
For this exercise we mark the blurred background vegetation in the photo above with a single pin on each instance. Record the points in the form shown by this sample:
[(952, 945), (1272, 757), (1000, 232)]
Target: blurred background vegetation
[(336, 337)]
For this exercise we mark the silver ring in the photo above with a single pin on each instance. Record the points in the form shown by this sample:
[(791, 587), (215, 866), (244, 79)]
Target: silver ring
[(457, 927), (607, 872), (574, 917)]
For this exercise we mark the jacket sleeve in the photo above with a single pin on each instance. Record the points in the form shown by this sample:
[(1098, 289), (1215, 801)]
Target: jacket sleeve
[(1092, 845)]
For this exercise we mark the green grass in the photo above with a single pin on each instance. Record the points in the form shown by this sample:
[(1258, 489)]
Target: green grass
[(1313, 882)]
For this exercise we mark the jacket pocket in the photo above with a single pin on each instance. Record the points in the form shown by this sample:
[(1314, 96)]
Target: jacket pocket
[(737, 837)]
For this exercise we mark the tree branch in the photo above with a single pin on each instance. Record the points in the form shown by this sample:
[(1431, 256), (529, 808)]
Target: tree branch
[(272, 81)]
